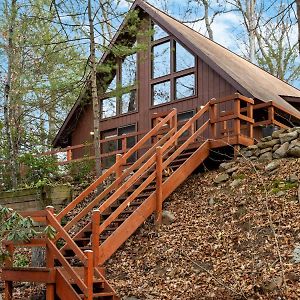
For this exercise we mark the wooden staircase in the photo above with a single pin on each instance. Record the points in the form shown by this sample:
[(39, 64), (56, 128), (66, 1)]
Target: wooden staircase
[(115, 211)]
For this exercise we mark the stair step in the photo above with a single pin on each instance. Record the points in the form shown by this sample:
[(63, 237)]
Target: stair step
[(103, 294)]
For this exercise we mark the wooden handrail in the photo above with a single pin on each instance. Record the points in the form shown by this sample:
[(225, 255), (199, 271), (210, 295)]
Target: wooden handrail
[(58, 255), (112, 170)]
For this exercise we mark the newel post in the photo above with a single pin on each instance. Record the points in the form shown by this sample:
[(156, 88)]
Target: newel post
[(50, 287), (213, 118), (250, 115), (88, 275), (96, 219), (159, 182), (124, 144)]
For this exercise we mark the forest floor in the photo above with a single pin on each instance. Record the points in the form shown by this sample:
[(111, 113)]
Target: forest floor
[(239, 239)]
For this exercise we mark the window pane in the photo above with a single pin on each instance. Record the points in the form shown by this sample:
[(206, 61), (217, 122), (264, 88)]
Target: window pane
[(128, 102), (161, 93), (184, 59), (185, 86), (109, 107), (161, 60), (113, 85), (129, 70), (158, 33)]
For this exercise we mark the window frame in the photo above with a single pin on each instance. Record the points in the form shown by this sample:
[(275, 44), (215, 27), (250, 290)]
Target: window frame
[(173, 74), (120, 91)]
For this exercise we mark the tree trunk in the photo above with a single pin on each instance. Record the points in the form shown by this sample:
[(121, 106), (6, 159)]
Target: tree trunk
[(93, 84), (251, 28), (298, 16), (12, 160)]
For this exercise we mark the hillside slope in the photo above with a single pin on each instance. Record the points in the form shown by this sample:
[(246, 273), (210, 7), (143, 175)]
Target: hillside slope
[(233, 240)]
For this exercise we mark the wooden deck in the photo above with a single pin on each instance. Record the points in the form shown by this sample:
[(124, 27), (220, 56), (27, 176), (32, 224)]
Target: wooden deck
[(136, 191)]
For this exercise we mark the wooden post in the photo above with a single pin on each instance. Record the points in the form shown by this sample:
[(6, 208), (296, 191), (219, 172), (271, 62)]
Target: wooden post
[(69, 155), (119, 167), (96, 219), (50, 287), (250, 115), (124, 144), (271, 115), (8, 285), (237, 121), (159, 182), (213, 118), (89, 274)]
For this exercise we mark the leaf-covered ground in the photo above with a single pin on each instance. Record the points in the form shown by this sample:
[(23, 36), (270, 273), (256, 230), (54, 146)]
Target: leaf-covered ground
[(226, 242)]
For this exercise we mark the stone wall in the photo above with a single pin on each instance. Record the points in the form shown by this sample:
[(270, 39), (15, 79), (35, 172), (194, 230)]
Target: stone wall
[(282, 143)]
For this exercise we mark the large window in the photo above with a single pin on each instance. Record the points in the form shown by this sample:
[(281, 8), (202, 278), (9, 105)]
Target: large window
[(173, 69), (120, 95)]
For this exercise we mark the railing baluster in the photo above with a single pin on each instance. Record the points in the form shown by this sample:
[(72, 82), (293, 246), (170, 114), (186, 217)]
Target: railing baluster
[(159, 174), (89, 274)]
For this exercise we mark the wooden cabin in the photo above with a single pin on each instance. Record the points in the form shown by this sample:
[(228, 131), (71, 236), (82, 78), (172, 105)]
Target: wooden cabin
[(169, 66)]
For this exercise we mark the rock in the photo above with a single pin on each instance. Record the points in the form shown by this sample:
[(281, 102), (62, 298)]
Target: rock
[(248, 153), (252, 147), (273, 284), (268, 144), (231, 170), (272, 166), (293, 178), (262, 151), (130, 298), (275, 134), (281, 151), (277, 146), (287, 137), (266, 138), (296, 254), (253, 157), (211, 201), (235, 183), (226, 165), (280, 194), (221, 178), (167, 217), (266, 156), (294, 150)]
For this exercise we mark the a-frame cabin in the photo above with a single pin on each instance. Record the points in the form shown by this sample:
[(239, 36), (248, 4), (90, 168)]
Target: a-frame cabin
[(163, 110)]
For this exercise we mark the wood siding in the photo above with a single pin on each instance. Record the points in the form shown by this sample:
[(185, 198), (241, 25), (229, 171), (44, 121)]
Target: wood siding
[(209, 85)]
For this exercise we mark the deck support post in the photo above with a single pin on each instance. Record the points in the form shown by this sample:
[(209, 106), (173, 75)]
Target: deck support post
[(88, 275), (159, 173), (96, 218), (237, 121)]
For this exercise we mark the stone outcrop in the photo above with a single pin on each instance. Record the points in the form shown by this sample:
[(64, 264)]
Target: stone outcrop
[(282, 143)]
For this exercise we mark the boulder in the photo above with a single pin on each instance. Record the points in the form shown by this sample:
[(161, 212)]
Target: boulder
[(296, 254), (294, 149), (277, 146), (267, 144), (262, 151), (272, 166), (167, 217), (231, 170), (287, 137), (281, 151), (266, 156), (226, 165), (235, 183), (275, 134), (221, 178), (293, 178)]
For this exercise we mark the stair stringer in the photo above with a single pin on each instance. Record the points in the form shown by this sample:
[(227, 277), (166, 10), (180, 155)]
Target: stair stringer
[(134, 221), (63, 288)]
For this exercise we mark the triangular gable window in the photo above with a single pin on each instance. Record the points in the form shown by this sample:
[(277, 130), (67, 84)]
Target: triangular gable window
[(158, 32)]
